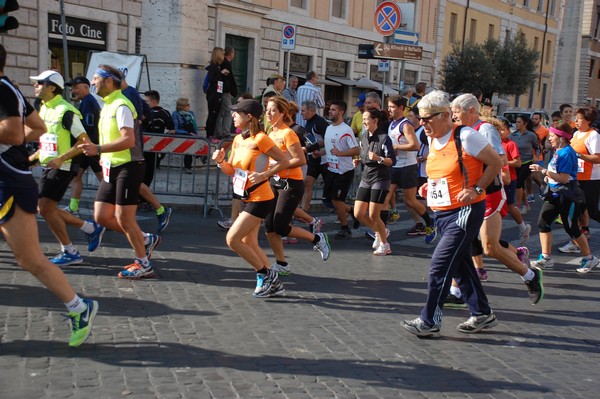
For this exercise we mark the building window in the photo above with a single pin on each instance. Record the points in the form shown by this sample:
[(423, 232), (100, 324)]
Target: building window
[(138, 40), (540, 6), (553, 8), (410, 77), (592, 64), (517, 98), (597, 24), (536, 43), (491, 31), (473, 31), (526, 3), (336, 68), (298, 3), (338, 9), (453, 19), (548, 48)]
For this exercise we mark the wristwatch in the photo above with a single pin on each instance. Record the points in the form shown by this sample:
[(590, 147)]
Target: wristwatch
[(380, 161), (478, 190)]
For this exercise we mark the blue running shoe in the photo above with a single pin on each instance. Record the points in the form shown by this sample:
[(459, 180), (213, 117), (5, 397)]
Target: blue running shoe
[(95, 238), (81, 323), (65, 258), (164, 219), (151, 246), (430, 234), (135, 271)]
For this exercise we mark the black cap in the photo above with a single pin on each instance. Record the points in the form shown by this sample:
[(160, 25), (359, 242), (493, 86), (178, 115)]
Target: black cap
[(77, 80), (248, 106)]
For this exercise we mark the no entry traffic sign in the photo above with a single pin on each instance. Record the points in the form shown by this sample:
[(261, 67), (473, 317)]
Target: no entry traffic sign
[(387, 18)]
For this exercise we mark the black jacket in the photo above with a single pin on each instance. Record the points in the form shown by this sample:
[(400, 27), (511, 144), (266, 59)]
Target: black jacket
[(381, 144)]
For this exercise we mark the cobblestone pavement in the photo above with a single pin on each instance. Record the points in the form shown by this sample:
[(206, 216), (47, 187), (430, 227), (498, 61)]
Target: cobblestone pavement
[(197, 332)]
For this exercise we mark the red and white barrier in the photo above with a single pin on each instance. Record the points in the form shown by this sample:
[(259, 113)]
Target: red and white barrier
[(175, 145)]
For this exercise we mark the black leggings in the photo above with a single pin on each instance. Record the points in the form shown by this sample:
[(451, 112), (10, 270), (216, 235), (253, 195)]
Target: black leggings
[(591, 191), (287, 200), (569, 212)]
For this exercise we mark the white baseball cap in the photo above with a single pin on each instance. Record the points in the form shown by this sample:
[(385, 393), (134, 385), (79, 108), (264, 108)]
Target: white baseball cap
[(50, 76)]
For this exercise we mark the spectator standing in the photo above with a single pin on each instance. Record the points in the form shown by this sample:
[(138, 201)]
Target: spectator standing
[(184, 122), (230, 91), (214, 92), (290, 92), (158, 121), (310, 92)]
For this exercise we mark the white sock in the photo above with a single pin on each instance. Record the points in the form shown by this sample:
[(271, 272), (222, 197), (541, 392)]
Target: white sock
[(522, 227), (143, 261), (76, 305), (528, 276), (455, 291), (88, 227), (146, 238), (70, 248)]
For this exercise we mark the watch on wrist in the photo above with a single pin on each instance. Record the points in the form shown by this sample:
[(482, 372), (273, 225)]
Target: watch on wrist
[(380, 161), (478, 190)]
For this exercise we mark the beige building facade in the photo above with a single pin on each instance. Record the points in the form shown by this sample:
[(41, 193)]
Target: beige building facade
[(177, 37)]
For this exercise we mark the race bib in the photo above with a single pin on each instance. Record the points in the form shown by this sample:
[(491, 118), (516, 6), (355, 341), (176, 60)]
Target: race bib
[(105, 162), (333, 163), (580, 165), (240, 177), (438, 193), (48, 146), (219, 86)]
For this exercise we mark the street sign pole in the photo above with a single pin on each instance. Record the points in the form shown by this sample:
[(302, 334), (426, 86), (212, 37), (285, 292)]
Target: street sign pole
[(287, 67)]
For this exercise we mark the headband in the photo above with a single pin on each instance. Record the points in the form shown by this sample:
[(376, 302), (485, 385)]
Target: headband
[(103, 73), (560, 133)]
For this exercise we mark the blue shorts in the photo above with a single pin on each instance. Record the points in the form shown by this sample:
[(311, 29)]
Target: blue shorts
[(17, 187)]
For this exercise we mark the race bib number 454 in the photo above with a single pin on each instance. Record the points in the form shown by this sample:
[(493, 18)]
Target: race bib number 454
[(438, 193)]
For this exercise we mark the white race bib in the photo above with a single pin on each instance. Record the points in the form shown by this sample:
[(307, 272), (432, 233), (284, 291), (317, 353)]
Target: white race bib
[(438, 193), (580, 163), (48, 146), (219, 86), (105, 162), (240, 177), (333, 163)]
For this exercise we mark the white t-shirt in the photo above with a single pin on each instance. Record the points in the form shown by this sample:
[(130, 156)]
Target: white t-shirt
[(403, 158), (342, 138), (492, 135), (471, 143), (124, 117)]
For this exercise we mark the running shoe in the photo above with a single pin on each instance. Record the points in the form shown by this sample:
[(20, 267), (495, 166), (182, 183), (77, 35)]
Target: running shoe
[(587, 265), (475, 324), (315, 226), (430, 234), (454, 302), (535, 287), (266, 284), (570, 248), (417, 230), (482, 274), (343, 234), (81, 323), (524, 209), (225, 224), (281, 270), (154, 242), (530, 198), (383, 249), (136, 271), (420, 329), (394, 217), (64, 258), (95, 239), (543, 263), (524, 235), (323, 246), (72, 212), (523, 255), (377, 241), (164, 219), (289, 240)]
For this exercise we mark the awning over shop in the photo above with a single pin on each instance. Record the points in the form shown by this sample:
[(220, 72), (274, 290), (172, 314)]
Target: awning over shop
[(390, 91), (366, 83), (342, 80), (327, 82)]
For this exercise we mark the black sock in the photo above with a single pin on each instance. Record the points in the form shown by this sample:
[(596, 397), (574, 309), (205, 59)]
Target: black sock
[(316, 240), (280, 263), (504, 244), (264, 270), (384, 216), (427, 219), (346, 227)]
